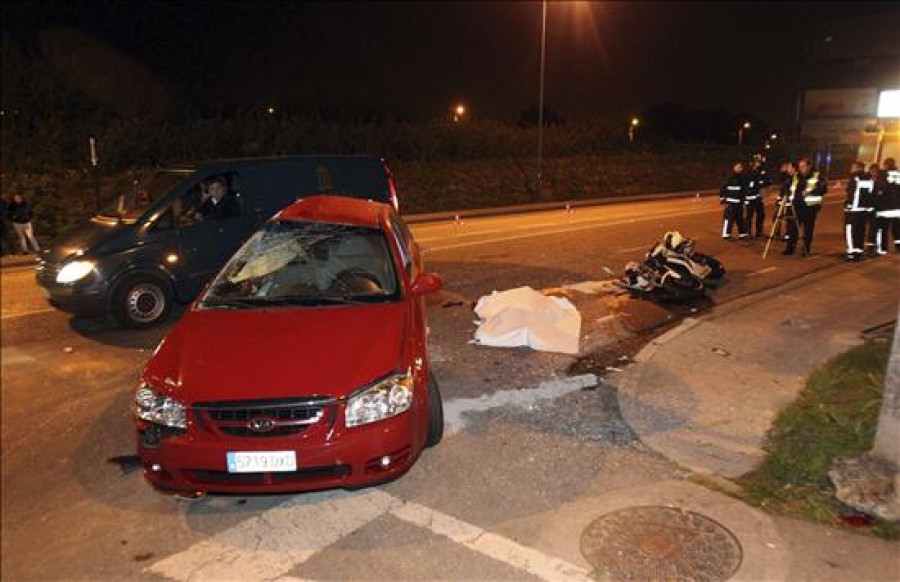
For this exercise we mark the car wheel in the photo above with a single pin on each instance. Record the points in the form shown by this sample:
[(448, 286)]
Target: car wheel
[(435, 413), (142, 300)]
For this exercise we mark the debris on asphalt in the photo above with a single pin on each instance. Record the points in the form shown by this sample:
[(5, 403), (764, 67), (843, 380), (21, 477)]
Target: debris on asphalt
[(593, 287), (525, 317), (721, 352), (613, 369), (68, 349), (452, 304)]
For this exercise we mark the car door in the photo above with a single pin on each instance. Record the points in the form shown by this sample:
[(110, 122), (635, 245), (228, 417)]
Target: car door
[(207, 242)]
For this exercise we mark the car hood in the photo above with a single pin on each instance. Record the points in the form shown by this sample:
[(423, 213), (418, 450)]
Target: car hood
[(216, 355), (88, 237)]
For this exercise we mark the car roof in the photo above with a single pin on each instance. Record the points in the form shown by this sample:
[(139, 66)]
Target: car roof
[(215, 163), (336, 209)]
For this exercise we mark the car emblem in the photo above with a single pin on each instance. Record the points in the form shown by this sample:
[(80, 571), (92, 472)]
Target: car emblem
[(261, 424)]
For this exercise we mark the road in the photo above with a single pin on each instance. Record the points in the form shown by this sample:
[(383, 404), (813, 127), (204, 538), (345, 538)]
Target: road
[(75, 508)]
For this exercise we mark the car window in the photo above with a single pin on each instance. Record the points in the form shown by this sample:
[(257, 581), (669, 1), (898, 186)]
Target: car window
[(307, 263), (404, 238), (213, 199)]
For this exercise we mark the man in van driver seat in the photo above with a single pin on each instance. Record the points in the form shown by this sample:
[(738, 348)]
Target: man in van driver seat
[(217, 202)]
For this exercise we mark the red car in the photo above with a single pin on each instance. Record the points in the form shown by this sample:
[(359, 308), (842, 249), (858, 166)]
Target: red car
[(302, 366)]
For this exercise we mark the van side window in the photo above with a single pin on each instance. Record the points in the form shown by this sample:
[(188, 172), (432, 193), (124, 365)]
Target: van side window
[(213, 199)]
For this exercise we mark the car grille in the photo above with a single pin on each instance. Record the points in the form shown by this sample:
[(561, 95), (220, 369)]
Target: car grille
[(262, 418)]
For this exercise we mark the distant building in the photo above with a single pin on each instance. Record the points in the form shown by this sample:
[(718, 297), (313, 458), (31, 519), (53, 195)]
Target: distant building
[(851, 67)]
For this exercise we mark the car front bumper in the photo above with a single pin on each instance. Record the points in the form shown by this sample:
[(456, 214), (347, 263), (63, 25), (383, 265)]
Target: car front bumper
[(86, 299), (195, 460)]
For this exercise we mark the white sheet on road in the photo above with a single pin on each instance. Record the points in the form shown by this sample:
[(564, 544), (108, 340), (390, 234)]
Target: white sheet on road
[(524, 317)]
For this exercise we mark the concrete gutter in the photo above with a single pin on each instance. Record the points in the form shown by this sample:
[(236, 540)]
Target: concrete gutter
[(555, 205)]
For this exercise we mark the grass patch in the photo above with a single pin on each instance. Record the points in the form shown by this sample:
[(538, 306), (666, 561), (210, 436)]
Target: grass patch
[(835, 415)]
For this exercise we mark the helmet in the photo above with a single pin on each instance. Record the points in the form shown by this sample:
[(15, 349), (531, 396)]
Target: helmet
[(673, 239)]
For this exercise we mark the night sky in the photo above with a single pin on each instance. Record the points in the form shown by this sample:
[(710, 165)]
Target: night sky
[(415, 59)]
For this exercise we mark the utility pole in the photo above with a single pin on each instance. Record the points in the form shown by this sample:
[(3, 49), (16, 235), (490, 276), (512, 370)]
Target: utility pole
[(96, 172), (540, 160)]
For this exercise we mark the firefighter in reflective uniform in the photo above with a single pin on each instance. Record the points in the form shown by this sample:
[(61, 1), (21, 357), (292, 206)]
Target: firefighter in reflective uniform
[(806, 190), (754, 205), (732, 196), (872, 223), (857, 207), (887, 208)]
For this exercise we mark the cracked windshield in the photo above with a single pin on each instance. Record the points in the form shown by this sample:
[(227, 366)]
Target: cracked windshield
[(307, 263)]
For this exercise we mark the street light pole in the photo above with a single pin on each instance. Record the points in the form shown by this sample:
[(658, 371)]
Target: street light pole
[(541, 100), (745, 125)]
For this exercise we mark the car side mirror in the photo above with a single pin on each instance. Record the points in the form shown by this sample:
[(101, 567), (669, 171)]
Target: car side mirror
[(427, 283)]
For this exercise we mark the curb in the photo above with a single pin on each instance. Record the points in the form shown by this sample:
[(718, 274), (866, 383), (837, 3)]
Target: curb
[(627, 382)]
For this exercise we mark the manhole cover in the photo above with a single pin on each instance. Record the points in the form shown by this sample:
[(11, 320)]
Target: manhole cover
[(660, 543)]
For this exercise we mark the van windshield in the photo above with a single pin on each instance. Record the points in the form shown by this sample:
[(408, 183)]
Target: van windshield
[(129, 204), (291, 263)]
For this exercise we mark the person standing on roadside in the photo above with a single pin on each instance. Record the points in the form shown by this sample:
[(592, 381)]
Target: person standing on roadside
[(754, 205), (872, 221), (19, 213), (806, 191), (887, 208), (857, 207), (732, 196), (7, 245)]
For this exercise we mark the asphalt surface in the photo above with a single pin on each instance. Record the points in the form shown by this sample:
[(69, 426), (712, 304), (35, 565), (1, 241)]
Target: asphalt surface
[(74, 507)]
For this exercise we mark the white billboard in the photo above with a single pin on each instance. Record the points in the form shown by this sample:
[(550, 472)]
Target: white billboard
[(889, 103)]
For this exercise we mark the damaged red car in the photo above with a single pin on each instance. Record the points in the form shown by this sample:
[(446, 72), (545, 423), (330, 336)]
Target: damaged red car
[(302, 366)]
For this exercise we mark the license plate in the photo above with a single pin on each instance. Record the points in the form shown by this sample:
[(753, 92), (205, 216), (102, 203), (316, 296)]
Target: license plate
[(261, 461)]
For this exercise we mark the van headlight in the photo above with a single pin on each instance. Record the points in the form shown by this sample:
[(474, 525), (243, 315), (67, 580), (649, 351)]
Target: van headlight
[(158, 409), (387, 398), (74, 271)]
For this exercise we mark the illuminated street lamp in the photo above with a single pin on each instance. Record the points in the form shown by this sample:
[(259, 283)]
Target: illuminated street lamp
[(270, 111), (746, 125), (632, 127), (774, 136), (458, 112)]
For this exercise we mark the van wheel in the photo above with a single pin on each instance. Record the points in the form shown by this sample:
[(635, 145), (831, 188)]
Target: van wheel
[(435, 413), (142, 300)]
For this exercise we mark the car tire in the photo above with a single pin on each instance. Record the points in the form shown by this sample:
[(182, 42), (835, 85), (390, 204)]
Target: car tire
[(142, 300), (435, 413)]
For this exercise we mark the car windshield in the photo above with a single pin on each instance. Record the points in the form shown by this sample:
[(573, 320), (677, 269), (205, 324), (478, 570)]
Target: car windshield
[(292, 263), (133, 200)]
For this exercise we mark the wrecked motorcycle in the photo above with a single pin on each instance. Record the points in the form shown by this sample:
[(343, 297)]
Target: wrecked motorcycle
[(679, 250), (673, 270)]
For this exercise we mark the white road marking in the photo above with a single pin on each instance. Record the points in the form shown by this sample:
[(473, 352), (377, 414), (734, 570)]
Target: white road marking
[(558, 231), (632, 249), (455, 409), (492, 545), (555, 221), (284, 537), (762, 271), (277, 540), (12, 356), (24, 313)]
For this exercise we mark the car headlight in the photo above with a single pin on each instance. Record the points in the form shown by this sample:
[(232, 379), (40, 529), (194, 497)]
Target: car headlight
[(158, 409), (387, 398), (74, 271)]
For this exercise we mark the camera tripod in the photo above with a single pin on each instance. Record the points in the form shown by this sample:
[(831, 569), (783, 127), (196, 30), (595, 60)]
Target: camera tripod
[(782, 215)]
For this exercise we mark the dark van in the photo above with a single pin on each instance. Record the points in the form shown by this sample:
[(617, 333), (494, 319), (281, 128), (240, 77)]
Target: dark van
[(163, 239)]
